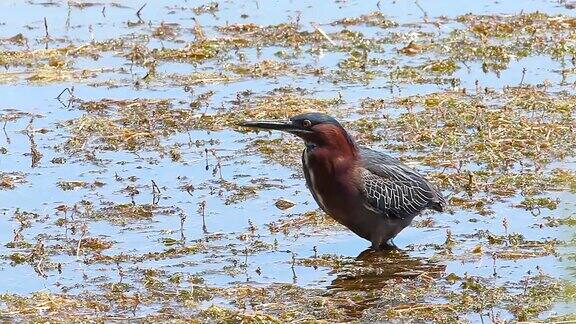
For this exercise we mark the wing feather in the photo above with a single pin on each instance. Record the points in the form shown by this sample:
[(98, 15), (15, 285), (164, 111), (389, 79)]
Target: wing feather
[(395, 190)]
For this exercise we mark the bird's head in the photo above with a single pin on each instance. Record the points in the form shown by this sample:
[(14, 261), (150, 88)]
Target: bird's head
[(316, 129)]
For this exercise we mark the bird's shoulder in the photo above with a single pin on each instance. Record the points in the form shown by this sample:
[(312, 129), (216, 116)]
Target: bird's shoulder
[(393, 188), (384, 165)]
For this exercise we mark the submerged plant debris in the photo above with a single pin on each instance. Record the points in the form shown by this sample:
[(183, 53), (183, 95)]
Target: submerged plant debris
[(129, 192)]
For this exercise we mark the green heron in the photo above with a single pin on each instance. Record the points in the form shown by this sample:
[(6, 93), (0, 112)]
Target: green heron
[(369, 192)]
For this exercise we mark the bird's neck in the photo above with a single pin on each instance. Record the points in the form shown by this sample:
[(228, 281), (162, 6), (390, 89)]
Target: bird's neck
[(331, 177), (332, 158), (333, 152), (334, 142)]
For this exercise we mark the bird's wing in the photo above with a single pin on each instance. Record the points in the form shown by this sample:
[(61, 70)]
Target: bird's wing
[(393, 189)]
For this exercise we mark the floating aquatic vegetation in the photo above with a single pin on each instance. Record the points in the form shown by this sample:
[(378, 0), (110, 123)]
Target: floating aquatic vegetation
[(166, 31), (253, 35), (284, 204), (123, 213), (124, 124), (42, 305), (266, 68), (155, 99), (10, 180), (528, 34), (71, 185), (197, 51), (314, 221), (372, 19)]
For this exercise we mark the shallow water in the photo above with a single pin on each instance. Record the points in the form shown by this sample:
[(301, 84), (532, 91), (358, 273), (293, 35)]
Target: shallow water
[(233, 227)]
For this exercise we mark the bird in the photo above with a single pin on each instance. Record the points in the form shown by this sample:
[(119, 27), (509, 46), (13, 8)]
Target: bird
[(371, 193)]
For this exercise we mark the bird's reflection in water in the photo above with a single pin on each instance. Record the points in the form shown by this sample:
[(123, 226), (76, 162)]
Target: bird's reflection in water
[(372, 270), (378, 270)]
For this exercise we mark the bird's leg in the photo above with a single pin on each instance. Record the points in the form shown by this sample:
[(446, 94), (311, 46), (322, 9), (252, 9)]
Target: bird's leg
[(389, 245), (376, 243), (382, 238)]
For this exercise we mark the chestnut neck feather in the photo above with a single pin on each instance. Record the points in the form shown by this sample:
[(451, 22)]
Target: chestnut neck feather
[(331, 168), (336, 140)]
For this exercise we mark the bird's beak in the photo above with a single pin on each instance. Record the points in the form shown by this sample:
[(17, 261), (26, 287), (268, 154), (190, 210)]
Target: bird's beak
[(281, 125), (268, 124)]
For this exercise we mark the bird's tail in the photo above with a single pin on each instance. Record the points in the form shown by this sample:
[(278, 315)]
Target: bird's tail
[(437, 205), (438, 202)]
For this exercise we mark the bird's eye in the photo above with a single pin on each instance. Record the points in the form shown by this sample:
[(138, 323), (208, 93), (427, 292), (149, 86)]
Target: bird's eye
[(306, 123)]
